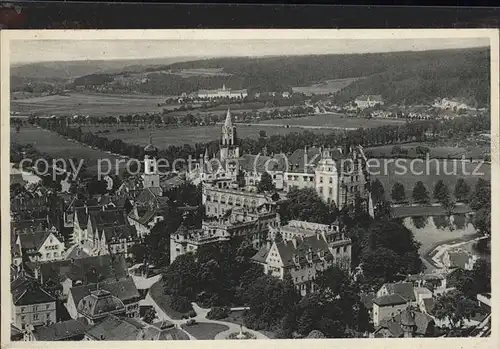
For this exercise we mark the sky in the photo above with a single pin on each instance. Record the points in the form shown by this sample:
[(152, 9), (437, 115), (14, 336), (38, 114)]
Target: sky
[(30, 51)]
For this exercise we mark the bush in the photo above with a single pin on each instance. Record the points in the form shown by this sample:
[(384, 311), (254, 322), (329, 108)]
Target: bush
[(150, 316), (180, 304), (192, 313), (191, 322), (218, 313)]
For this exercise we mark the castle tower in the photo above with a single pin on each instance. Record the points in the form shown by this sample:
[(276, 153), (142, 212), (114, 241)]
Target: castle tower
[(327, 179), (151, 176), (229, 148)]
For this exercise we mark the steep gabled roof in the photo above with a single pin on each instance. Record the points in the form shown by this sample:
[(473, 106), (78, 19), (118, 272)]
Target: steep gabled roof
[(117, 233), (393, 325), (261, 255), (26, 291), (404, 289), (287, 249), (392, 299), (108, 218), (33, 241), (105, 266)]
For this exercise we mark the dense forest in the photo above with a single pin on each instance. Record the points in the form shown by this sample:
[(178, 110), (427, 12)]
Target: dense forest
[(411, 77), (465, 75)]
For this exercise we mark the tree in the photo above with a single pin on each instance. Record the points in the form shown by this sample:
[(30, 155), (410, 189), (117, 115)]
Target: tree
[(377, 191), (441, 192), (181, 277), (480, 201), (462, 190), (455, 308), (267, 305), (420, 194), (482, 276), (448, 205), (481, 197), (266, 183), (315, 334), (305, 204), (398, 192), (149, 316), (383, 210), (380, 265)]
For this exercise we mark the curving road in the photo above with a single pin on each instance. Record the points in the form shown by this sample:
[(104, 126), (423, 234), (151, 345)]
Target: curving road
[(201, 316)]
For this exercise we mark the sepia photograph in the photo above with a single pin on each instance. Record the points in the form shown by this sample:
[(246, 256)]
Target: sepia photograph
[(248, 184)]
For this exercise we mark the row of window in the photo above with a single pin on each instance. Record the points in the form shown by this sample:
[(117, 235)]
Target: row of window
[(302, 178), (231, 201), (36, 308), (36, 317)]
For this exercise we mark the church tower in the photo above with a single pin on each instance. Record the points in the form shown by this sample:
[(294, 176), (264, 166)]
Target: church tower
[(151, 176), (229, 148)]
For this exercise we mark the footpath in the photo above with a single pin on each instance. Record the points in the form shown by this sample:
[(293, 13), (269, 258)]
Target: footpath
[(201, 316)]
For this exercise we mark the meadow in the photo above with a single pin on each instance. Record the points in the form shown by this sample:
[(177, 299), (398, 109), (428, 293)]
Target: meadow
[(324, 88), (440, 152), (165, 136), (93, 104), (334, 120), (59, 147)]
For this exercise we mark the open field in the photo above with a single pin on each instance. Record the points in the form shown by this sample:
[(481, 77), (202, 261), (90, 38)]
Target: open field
[(59, 147), (93, 104), (336, 120), (222, 109), (204, 330), (324, 88), (408, 172), (441, 152), (186, 73), (163, 137)]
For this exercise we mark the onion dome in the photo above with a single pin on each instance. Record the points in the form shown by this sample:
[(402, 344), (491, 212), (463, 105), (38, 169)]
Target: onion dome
[(150, 149)]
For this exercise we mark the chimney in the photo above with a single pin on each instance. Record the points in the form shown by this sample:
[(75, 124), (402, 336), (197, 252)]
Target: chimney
[(37, 272)]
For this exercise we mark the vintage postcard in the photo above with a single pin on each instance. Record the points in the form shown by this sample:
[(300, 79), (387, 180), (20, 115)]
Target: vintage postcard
[(249, 185)]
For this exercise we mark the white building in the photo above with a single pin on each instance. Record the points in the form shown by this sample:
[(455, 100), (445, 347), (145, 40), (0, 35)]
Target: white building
[(222, 93), (41, 246), (31, 304), (368, 101)]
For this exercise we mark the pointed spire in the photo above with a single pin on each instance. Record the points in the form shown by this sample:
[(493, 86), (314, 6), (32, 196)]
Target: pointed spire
[(228, 123), (206, 154), (150, 138)]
